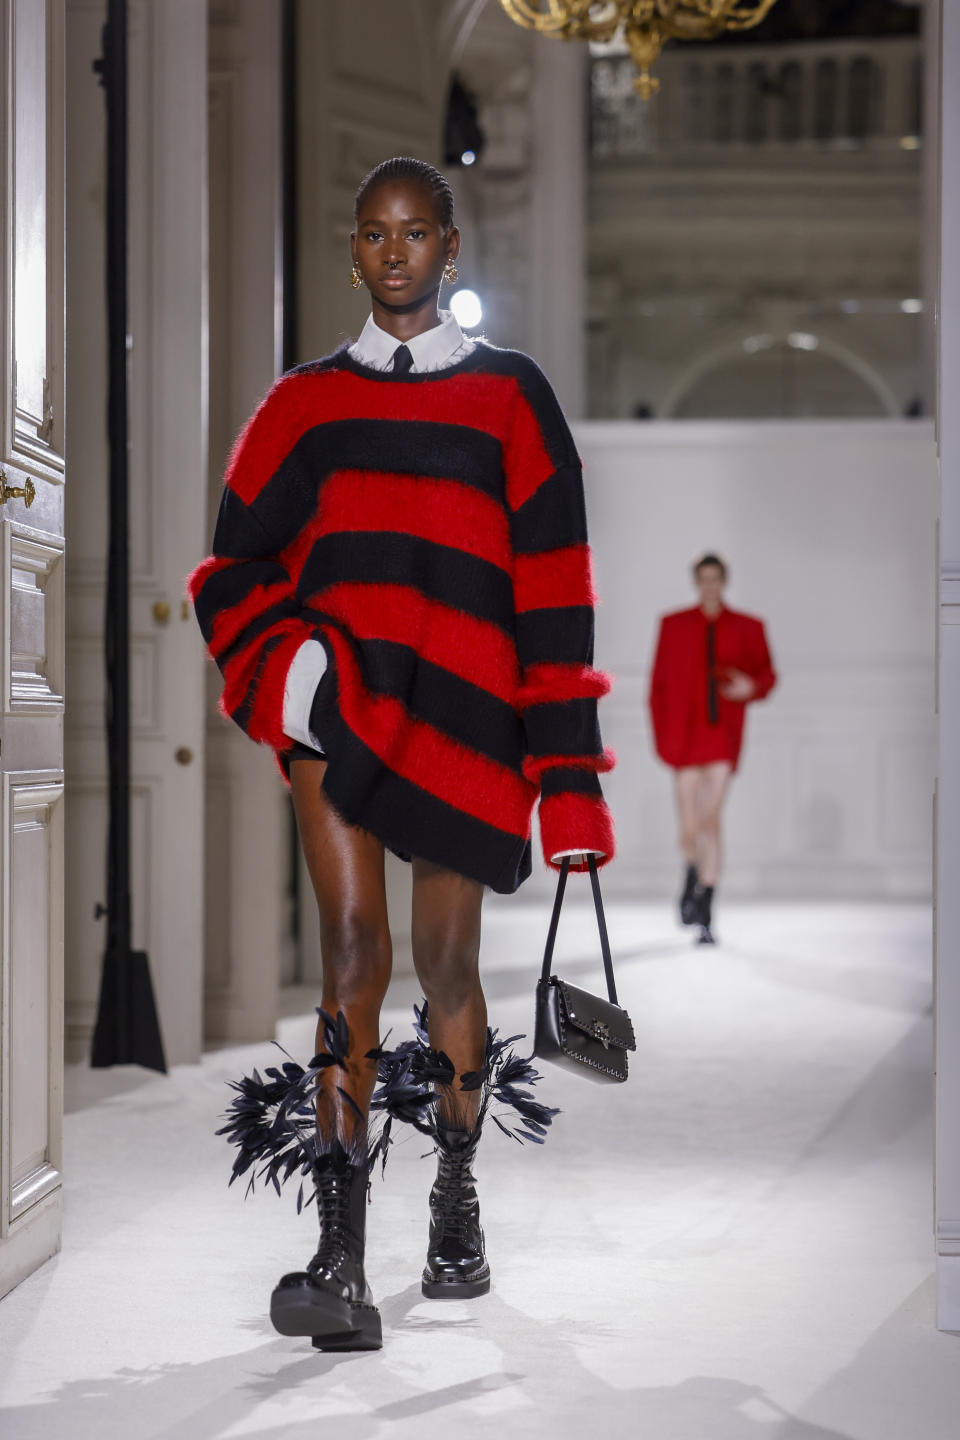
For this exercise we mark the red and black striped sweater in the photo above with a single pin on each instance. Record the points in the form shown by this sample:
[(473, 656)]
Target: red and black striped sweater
[(429, 529)]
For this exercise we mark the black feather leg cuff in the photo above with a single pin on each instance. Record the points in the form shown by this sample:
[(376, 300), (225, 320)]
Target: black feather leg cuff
[(272, 1119)]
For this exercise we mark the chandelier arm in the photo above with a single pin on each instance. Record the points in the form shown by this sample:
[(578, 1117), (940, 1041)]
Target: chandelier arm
[(645, 24), (532, 16), (735, 14), (569, 19)]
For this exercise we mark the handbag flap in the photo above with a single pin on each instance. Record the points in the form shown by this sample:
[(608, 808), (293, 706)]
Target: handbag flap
[(596, 1017)]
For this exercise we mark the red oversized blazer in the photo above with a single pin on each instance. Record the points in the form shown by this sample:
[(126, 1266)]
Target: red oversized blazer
[(693, 722)]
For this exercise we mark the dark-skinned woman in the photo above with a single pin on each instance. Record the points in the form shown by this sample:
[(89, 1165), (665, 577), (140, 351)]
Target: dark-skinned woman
[(710, 663), (400, 601)]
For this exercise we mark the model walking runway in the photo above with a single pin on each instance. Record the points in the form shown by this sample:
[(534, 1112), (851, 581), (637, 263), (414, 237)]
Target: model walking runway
[(710, 663), (400, 601)]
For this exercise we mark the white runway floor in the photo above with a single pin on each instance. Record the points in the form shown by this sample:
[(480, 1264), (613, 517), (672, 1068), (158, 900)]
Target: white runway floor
[(736, 1245)]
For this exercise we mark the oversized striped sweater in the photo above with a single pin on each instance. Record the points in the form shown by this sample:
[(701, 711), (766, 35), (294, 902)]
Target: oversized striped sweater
[(429, 530)]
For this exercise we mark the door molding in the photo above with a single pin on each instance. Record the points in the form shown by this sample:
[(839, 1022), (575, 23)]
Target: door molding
[(32, 802), (36, 557)]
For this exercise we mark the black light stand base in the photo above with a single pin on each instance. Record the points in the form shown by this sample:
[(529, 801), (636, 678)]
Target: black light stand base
[(127, 1030)]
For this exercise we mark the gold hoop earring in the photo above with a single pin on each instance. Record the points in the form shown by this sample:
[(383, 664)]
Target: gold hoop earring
[(356, 279), (450, 272)]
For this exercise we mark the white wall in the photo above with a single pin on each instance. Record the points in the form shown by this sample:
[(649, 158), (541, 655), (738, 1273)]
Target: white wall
[(945, 98), (829, 528)]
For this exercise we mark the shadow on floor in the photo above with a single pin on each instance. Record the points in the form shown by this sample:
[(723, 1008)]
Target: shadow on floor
[(542, 1391), (83, 1086), (896, 990), (897, 1384), (892, 1102)]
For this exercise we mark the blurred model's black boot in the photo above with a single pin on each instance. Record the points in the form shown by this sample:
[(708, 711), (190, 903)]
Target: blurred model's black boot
[(456, 1263), (688, 899), (704, 916), (331, 1299)]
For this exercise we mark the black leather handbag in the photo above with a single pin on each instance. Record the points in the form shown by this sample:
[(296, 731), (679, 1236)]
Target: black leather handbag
[(574, 1028)]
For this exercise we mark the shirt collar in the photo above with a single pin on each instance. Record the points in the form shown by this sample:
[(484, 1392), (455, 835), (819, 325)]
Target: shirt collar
[(430, 351)]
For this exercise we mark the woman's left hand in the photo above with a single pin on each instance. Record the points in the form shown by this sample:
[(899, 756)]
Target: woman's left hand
[(737, 686)]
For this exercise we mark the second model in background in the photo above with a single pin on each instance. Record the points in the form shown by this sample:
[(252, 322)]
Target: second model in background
[(710, 662)]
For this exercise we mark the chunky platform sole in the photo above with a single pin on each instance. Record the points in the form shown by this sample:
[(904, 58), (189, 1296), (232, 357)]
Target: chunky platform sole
[(332, 1323), (369, 1339), (454, 1289), (706, 936)]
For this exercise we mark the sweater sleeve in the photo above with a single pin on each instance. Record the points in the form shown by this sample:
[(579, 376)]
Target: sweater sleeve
[(553, 600), (762, 673), (243, 594), (667, 731)]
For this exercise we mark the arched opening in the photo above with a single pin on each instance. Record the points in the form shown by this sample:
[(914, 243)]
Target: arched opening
[(786, 377)]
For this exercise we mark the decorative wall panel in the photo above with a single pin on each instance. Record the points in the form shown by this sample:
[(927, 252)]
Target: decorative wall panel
[(31, 1007), (31, 643)]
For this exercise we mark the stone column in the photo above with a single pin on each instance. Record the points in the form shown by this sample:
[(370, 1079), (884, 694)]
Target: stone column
[(947, 927), (247, 842), (558, 221)]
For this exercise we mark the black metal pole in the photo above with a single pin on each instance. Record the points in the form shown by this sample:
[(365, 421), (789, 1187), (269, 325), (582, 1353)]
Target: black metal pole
[(127, 1029)]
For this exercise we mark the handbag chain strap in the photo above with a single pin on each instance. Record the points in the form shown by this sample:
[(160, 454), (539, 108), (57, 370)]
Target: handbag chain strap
[(601, 926)]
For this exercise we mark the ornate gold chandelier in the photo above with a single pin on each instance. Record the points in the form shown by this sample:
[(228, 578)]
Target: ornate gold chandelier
[(646, 25)]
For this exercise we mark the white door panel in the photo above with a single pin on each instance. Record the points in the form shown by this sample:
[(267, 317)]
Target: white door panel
[(31, 854), (32, 428), (31, 661), (31, 638)]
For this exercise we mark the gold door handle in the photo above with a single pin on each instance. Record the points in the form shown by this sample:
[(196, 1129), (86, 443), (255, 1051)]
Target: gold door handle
[(183, 755), (11, 492), (161, 612)]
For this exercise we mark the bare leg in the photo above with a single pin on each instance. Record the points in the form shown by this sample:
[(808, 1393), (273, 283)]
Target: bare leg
[(346, 868), (714, 780), (686, 793), (446, 954)]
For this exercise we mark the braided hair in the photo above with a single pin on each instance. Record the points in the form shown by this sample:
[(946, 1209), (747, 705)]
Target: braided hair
[(405, 167)]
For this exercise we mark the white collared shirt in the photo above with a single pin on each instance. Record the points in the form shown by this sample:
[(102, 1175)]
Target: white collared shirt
[(442, 345)]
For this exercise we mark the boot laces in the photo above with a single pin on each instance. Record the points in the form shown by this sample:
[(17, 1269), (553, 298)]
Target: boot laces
[(333, 1203), (453, 1176)]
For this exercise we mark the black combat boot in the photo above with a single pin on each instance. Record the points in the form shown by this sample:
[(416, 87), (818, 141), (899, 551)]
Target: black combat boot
[(456, 1264), (331, 1299), (703, 915), (688, 899)]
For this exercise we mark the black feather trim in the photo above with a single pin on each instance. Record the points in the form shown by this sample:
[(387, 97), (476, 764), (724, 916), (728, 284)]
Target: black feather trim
[(509, 1078), (272, 1119), (413, 1075)]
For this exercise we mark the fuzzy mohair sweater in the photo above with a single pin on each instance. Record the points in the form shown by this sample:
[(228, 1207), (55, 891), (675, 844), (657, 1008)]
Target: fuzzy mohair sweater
[(429, 529)]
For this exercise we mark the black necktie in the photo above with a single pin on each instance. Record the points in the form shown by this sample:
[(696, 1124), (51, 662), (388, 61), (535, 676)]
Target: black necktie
[(402, 360), (712, 715)]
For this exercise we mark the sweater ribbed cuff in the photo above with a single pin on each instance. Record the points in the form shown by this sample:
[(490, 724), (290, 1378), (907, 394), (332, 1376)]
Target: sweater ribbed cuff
[(577, 822)]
